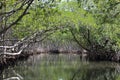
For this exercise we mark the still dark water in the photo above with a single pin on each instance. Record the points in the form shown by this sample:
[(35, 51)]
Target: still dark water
[(61, 67)]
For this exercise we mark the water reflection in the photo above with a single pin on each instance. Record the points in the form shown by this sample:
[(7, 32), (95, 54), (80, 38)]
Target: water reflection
[(61, 67), (106, 73)]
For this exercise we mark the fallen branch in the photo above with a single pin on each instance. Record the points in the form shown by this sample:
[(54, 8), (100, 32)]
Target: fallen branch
[(13, 54), (12, 78)]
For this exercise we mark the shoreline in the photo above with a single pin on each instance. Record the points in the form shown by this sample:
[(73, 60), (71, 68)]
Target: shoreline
[(8, 60)]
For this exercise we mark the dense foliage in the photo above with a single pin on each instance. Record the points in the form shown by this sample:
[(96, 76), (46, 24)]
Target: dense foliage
[(93, 24)]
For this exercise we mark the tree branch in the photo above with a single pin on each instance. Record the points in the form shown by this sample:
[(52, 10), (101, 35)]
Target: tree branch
[(78, 41), (18, 19)]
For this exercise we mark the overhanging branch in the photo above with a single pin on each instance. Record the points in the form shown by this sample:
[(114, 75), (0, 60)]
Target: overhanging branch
[(18, 19)]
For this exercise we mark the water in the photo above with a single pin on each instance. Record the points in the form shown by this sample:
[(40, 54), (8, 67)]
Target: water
[(61, 67)]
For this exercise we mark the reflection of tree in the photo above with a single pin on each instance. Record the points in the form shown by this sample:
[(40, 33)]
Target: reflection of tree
[(10, 74), (1, 77), (95, 74)]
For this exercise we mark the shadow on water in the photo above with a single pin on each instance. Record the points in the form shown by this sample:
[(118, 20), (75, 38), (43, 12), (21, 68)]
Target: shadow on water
[(106, 73), (61, 67)]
